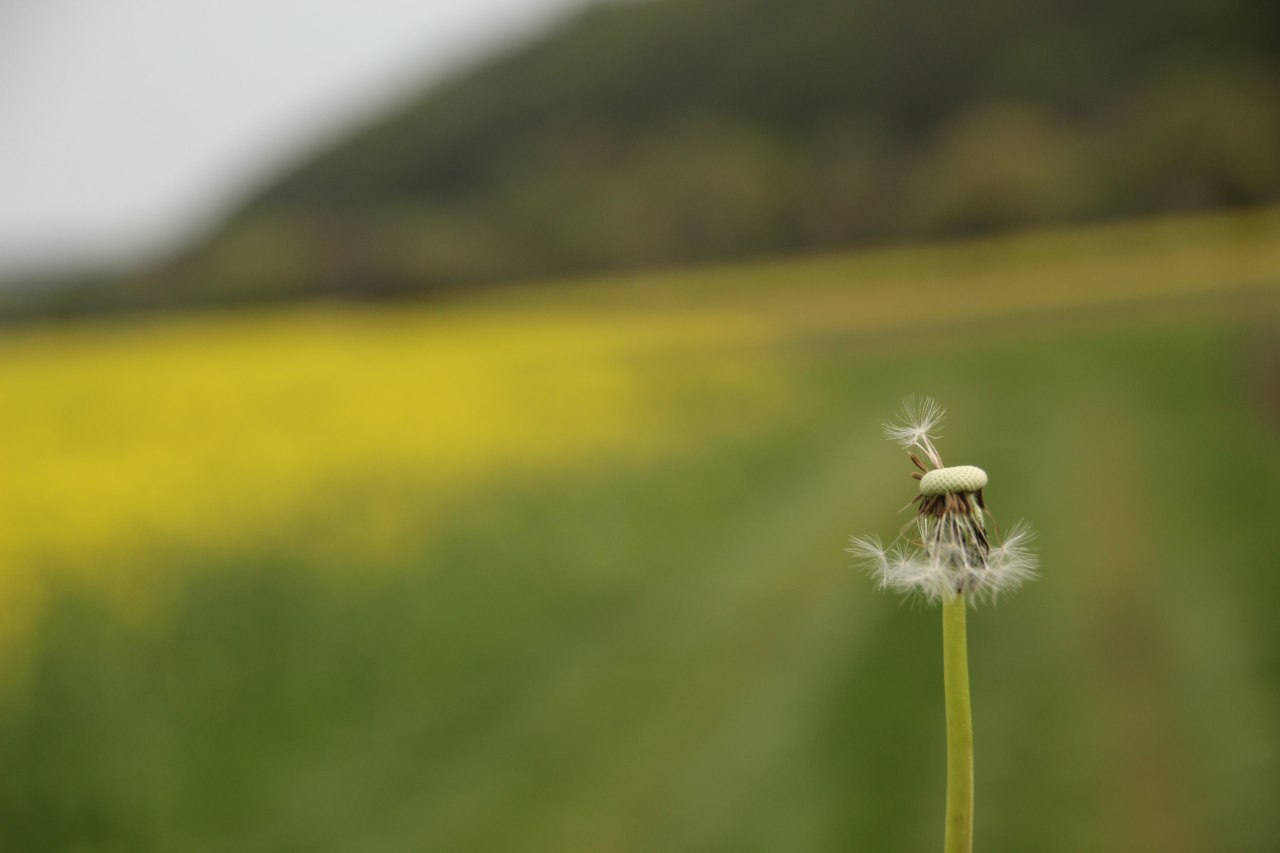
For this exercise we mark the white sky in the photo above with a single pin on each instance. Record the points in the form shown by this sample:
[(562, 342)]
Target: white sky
[(127, 125)]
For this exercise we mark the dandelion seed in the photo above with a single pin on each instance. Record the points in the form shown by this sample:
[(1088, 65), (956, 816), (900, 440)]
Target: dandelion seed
[(918, 421)]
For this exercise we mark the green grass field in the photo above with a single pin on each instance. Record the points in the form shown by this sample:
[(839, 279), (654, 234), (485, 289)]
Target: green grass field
[(651, 639)]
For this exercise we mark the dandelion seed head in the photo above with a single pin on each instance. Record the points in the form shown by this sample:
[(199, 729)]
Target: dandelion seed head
[(949, 551)]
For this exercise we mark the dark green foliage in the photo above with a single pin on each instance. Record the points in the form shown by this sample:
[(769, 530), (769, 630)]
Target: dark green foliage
[(675, 132), (687, 131)]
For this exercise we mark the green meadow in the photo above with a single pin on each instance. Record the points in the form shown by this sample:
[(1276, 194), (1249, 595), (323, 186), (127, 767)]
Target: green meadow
[(625, 621)]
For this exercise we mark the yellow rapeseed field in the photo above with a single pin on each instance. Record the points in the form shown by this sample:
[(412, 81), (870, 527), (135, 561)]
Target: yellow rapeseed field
[(212, 433), (216, 433)]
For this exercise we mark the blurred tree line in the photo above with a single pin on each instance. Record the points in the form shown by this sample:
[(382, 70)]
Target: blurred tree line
[(682, 131)]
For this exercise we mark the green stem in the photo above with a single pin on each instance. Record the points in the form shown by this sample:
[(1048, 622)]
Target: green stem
[(955, 677)]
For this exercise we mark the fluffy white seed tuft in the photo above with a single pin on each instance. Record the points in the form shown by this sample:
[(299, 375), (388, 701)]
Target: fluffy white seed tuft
[(917, 424), (902, 570), (1009, 564)]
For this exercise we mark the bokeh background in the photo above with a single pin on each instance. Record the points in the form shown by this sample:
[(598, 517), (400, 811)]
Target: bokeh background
[(474, 474)]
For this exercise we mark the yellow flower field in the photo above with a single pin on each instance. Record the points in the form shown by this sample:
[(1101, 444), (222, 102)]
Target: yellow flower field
[(212, 433), (216, 433)]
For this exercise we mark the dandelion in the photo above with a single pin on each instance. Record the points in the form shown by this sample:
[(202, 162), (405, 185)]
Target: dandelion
[(953, 559), (952, 553)]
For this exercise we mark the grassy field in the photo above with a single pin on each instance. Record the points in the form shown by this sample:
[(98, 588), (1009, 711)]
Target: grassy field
[(561, 568)]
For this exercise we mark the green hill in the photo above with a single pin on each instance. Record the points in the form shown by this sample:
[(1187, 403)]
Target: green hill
[(687, 131)]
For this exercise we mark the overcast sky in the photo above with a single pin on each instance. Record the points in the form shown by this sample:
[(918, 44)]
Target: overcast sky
[(127, 125)]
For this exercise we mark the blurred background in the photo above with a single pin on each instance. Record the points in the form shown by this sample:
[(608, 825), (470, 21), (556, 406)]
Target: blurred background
[(438, 426)]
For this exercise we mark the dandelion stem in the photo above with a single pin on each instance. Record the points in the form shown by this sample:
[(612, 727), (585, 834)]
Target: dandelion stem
[(955, 676)]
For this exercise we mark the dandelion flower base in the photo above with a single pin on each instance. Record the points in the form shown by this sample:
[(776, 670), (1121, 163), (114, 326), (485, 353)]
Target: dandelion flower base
[(954, 480)]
